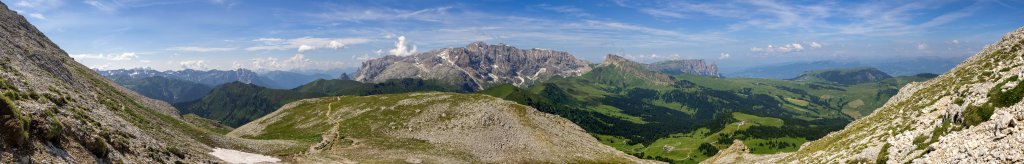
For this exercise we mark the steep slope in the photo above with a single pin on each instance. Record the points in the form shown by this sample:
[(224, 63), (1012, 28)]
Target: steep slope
[(677, 67), (238, 103), (55, 110), (970, 115), (848, 76), (427, 128), (477, 66), (165, 89)]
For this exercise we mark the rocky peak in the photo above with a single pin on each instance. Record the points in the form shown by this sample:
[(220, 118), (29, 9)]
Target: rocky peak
[(695, 67), (344, 76), (478, 65)]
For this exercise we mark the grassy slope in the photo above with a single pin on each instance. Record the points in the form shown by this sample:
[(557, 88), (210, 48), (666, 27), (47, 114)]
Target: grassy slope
[(597, 105)]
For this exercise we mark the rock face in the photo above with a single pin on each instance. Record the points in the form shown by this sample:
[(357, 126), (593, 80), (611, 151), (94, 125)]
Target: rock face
[(428, 128), (477, 65), (55, 110), (845, 76), (693, 67), (972, 114)]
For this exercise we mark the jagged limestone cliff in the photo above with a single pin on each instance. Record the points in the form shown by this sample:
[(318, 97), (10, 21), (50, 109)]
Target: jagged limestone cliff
[(972, 114), (476, 66)]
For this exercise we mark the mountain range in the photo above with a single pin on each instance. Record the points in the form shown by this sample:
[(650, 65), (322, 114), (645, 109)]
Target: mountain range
[(55, 110), (898, 66), (500, 104)]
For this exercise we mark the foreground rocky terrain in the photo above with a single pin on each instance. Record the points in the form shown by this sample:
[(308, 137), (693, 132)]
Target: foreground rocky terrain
[(972, 114), (55, 110), (429, 127)]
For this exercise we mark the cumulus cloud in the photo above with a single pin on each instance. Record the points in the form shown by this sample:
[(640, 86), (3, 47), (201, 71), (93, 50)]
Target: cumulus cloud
[(115, 57), (402, 48), (922, 46), (785, 48), (304, 44), (37, 16), (194, 64), (202, 49), (815, 45), (724, 56)]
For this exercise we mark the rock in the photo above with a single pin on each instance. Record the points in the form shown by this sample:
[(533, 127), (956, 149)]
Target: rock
[(476, 66)]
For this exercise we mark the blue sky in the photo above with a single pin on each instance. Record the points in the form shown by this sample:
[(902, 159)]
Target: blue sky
[(287, 35)]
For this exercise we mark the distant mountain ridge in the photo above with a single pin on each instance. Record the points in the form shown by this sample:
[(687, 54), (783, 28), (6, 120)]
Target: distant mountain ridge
[(211, 78), (694, 67), (478, 65), (847, 76), (895, 67)]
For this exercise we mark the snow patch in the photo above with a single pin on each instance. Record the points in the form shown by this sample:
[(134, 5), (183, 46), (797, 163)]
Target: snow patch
[(235, 156)]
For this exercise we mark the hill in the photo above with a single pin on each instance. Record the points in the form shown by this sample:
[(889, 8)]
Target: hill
[(237, 103), (969, 115), (687, 118), (165, 89), (428, 128), (847, 76)]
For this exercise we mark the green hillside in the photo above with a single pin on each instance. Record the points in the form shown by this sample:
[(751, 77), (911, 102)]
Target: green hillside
[(235, 104), (848, 76), (694, 116), (162, 88)]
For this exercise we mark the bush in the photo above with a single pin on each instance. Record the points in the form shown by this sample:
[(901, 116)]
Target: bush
[(975, 115), (13, 125), (1008, 98), (883, 155)]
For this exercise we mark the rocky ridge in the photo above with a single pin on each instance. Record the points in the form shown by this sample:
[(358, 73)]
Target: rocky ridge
[(694, 67), (972, 114), (478, 66), (55, 110)]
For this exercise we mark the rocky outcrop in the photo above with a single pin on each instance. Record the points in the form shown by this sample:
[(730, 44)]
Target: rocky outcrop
[(477, 65), (694, 67), (430, 128), (972, 114)]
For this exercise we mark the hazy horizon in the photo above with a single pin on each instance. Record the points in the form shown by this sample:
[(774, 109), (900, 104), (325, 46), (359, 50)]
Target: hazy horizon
[(324, 35)]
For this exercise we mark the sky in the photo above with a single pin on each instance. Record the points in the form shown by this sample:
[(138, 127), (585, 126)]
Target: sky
[(320, 35)]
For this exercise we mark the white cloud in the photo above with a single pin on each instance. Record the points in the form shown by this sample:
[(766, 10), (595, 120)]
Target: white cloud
[(922, 46), (794, 47), (402, 48), (815, 45), (565, 10), (114, 57), (37, 16), (201, 49), (303, 48), (386, 14), (194, 64), (40, 5), (304, 44), (724, 56), (955, 42), (103, 6)]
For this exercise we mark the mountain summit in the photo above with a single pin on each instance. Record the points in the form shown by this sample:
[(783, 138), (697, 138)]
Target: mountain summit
[(476, 66)]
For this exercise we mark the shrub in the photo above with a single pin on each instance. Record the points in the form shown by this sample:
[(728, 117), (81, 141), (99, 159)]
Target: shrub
[(13, 125), (883, 155), (975, 115), (1008, 98)]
